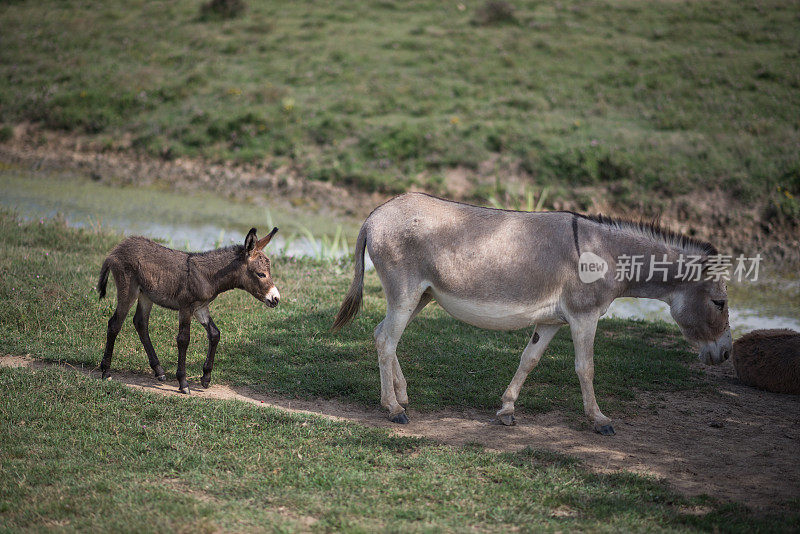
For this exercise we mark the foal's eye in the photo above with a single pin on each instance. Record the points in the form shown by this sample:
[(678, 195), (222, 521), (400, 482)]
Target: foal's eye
[(261, 275), (719, 304)]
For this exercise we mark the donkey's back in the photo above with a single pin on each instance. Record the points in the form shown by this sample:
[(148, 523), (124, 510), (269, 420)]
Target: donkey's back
[(159, 272)]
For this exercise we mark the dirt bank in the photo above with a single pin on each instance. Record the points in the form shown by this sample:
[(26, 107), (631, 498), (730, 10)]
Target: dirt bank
[(734, 443), (734, 227)]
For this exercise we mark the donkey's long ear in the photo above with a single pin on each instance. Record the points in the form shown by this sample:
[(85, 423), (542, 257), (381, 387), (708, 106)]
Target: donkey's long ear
[(250, 241), (264, 240)]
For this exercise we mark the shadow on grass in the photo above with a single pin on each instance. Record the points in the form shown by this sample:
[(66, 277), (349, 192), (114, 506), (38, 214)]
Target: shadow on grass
[(450, 364)]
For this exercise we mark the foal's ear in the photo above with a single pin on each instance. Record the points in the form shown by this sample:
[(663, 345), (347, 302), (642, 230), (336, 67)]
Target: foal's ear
[(250, 241), (264, 240)]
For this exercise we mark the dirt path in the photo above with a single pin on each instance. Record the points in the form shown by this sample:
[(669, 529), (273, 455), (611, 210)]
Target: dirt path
[(739, 444)]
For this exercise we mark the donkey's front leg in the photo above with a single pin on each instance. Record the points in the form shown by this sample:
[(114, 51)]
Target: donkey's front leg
[(204, 317), (184, 329), (583, 330), (530, 357)]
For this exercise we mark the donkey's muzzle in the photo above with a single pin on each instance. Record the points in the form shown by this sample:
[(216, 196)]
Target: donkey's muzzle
[(273, 297), (718, 351)]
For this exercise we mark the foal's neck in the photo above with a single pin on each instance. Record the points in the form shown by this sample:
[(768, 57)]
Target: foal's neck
[(221, 268)]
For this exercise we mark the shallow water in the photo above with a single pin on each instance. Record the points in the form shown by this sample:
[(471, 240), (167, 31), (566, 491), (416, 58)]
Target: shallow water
[(196, 221), (200, 221)]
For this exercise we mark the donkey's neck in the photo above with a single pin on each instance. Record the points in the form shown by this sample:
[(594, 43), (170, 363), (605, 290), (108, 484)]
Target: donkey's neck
[(648, 260), (221, 268)]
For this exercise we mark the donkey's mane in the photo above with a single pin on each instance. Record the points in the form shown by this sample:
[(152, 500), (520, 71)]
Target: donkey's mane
[(653, 230)]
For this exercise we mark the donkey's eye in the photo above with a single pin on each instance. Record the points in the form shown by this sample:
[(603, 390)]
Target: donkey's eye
[(261, 275), (719, 303)]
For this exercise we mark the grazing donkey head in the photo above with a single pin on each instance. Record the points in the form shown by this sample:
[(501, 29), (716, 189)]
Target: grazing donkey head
[(257, 278), (701, 311)]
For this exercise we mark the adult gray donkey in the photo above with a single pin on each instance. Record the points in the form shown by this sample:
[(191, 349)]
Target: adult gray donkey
[(505, 270)]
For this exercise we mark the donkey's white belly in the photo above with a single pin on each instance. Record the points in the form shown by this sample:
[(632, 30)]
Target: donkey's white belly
[(497, 315)]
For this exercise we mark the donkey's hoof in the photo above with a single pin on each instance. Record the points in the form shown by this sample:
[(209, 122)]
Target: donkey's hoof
[(185, 390), (400, 418), (606, 430), (107, 374), (507, 419), (205, 382), (161, 378)]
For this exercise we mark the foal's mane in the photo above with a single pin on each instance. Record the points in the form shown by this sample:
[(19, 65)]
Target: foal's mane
[(654, 230)]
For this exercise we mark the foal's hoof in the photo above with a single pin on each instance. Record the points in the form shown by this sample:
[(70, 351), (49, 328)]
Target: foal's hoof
[(161, 378), (205, 382), (507, 419), (107, 374), (185, 390), (400, 418), (606, 430)]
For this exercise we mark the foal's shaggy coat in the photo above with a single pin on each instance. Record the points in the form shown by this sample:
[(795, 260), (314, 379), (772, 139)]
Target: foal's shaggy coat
[(183, 281)]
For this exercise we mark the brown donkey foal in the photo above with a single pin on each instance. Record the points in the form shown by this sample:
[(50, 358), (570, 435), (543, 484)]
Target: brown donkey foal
[(183, 281)]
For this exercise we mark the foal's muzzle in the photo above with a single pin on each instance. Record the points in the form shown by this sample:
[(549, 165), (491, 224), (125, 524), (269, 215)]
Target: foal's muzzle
[(273, 297)]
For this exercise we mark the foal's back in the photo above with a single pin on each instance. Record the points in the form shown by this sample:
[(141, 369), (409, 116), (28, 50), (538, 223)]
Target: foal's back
[(160, 272)]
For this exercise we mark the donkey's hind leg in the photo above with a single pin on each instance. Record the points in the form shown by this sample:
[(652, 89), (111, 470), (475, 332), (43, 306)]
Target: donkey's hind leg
[(141, 320), (127, 291), (399, 311), (399, 381), (530, 357)]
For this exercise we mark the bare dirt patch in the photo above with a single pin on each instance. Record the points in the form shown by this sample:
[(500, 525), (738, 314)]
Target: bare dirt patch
[(732, 442)]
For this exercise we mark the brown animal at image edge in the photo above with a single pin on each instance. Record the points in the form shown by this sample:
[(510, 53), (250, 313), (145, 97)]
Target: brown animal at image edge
[(769, 360), (184, 281)]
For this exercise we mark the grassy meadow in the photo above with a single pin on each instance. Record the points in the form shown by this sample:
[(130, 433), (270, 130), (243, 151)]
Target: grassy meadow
[(645, 100), (49, 308), (79, 454), (82, 454)]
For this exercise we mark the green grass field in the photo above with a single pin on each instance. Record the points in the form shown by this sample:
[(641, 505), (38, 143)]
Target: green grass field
[(82, 454), (79, 454), (647, 100), (49, 307)]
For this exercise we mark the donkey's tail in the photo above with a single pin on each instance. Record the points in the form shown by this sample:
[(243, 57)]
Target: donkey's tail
[(103, 280), (352, 301)]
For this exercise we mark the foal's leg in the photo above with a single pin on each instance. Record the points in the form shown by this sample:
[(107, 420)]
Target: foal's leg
[(398, 380), (530, 358), (204, 317), (184, 330), (127, 289), (583, 330), (141, 320), (398, 313)]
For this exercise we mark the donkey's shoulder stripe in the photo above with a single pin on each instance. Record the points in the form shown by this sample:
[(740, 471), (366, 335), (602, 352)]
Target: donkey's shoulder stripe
[(575, 233)]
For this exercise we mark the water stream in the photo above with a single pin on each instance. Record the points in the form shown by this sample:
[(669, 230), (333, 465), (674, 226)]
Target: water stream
[(200, 221)]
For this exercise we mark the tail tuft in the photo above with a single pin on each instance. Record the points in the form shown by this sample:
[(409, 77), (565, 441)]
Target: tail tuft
[(352, 301), (103, 280)]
